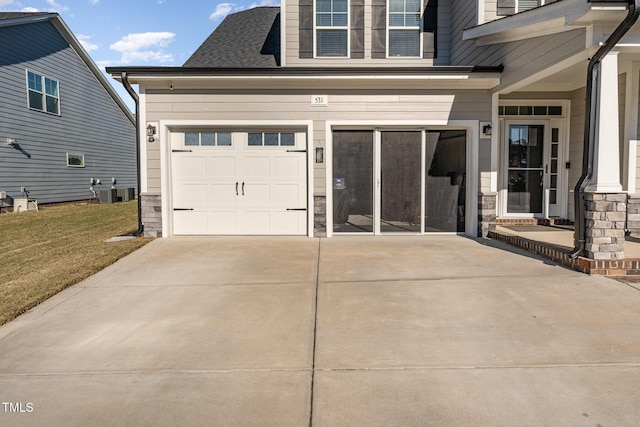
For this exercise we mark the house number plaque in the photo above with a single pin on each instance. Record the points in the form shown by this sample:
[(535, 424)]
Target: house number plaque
[(319, 100)]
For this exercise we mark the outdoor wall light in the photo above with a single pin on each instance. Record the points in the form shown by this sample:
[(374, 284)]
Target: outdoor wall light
[(11, 141), (485, 129), (151, 133)]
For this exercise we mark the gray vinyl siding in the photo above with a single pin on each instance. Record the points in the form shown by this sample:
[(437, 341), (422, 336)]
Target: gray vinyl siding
[(90, 122), (353, 105)]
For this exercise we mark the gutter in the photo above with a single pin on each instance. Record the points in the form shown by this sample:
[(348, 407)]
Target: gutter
[(590, 125), (136, 99)]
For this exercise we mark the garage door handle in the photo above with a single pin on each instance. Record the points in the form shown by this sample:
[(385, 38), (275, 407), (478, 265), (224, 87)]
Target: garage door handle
[(243, 188), (236, 188)]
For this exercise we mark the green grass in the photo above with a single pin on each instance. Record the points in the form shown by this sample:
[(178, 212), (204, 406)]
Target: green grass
[(47, 251)]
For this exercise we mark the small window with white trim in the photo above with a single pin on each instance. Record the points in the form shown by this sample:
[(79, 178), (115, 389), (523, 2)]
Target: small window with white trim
[(75, 160), (524, 5), (332, 28), (43, 93), (207, 139), (404, 28)]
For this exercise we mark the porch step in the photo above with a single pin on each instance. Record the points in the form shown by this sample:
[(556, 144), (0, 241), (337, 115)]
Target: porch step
[(533, 221)]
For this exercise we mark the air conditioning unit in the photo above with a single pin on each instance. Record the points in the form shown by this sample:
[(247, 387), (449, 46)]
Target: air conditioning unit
[(23, 204), (125, 194), (108, 196)]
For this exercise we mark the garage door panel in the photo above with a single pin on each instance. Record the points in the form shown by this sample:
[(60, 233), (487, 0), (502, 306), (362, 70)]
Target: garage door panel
[(221, 222), (190, 195), (254, 222), (256, 195), (287, 166), (288, 222), (222, 167), (221, 194), (286, 195), (189, 222), (190, 166), (255, 166)]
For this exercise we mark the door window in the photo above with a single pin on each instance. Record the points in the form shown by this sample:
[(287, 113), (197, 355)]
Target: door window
[(525, 169)]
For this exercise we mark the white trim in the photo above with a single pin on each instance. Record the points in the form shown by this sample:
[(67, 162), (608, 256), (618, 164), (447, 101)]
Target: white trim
[(43, 78), (144, 174), (164, 130), (472, 189), (495, 143), (631, 127), (480, 11), (75, 155)]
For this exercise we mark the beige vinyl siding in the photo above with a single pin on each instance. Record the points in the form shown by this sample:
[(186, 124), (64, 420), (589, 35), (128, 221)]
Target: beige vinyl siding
[(343, 105), (622, 99), (637, 97), (490, 10), (292, 43), (576, 142)]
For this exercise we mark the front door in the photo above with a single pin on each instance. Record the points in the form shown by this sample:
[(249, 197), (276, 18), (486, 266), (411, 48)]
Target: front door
[(532, 179)]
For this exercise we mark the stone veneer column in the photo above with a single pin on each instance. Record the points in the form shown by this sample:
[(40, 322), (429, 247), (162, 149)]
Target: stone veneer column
[(152, 214), (633, 215), (320, 216), (487, 203), (605, 217)]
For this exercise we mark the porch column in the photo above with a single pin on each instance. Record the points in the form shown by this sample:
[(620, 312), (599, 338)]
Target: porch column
[(606, 161), (605, 202)]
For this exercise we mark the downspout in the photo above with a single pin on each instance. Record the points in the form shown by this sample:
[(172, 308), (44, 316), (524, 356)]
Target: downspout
[(590, 124), (134, 95)]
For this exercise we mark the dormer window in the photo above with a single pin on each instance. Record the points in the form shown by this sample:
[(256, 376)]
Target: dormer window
[(332, 28), (528, 4)]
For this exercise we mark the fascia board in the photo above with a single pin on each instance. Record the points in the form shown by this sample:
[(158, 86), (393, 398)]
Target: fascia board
[(545, 18), (84, 56)]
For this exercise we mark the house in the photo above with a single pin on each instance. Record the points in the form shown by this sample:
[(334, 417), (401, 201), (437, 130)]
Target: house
[(396, 116), (63, 127)]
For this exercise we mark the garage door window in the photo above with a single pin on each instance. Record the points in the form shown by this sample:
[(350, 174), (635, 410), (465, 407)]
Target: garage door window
[(207, 139), (271, 139)]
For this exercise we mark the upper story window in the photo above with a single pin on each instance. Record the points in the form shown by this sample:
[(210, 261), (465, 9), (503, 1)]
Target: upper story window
[(332, 28), (404, 28), (528, 4), (43, 93)]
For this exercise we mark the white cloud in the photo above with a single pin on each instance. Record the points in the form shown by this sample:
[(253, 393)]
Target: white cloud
[(94, 2), (221, 10), (57, 7), (144, 47), (29, 9), (265, 3), (4, 3), (84, 41)]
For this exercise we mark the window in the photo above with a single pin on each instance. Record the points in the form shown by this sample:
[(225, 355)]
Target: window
[(43, 94), (207, 139), (75, 160), (529, 110), (404, 27), (271, 139), (528, 4), (332, 28)]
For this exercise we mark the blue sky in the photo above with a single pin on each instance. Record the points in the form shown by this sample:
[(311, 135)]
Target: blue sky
[(138, 32)]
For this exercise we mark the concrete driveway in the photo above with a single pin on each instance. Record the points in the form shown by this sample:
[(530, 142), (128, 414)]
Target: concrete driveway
[(379, 331)]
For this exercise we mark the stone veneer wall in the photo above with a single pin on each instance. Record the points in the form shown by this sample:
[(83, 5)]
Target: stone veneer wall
[(487, 203), (319, 215), (605, 216), (152, 214), (633, 215)]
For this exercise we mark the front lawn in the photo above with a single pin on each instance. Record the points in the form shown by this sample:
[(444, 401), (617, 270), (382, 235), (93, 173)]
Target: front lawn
[(47, 251)]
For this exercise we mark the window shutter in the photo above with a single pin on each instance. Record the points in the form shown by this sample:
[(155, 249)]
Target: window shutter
[(379, 29), (305, 12), (357, 29), (506, 7), (430, 29)]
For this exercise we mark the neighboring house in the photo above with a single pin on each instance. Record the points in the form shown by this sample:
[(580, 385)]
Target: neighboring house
[(61, 122), (392, 116)]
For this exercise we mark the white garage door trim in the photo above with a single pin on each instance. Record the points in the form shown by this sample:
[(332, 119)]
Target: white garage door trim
[(166, 162)]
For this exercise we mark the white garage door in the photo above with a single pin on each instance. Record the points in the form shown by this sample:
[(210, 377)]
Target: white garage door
[(239, 183)]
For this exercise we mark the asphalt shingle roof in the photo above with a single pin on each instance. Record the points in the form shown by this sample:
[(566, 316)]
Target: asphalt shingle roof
[(247, 39), (15, 15)]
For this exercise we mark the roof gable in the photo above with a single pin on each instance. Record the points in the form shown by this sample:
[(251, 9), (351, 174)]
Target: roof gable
[(248, 39)]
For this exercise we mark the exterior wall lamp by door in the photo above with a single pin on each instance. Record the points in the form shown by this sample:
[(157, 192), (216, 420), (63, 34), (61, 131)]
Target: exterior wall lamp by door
[(151, 133)]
